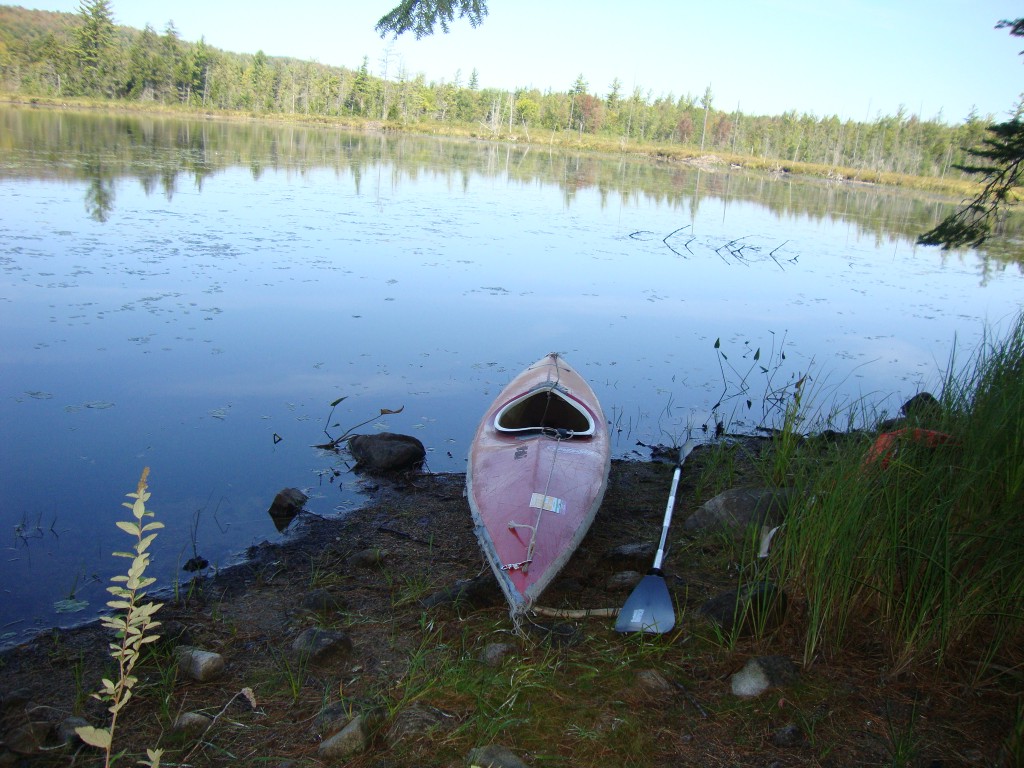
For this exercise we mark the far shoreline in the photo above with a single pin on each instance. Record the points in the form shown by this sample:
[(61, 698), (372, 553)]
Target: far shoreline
[(948, 190)]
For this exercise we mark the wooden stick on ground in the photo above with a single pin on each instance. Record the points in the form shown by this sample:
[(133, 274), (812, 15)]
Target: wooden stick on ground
[(576, 613)]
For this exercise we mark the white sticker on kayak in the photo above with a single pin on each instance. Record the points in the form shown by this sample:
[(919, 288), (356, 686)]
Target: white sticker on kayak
[(550, 503)]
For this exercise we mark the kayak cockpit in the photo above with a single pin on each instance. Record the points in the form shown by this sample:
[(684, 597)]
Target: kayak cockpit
[(545, 408)]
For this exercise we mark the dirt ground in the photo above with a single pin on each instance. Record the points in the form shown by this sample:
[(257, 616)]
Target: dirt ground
[(846, 710)]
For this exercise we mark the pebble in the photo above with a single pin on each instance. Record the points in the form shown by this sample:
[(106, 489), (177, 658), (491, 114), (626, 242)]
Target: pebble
[(494, 756), (365, 558), (324, 601), (494, 654), (623, 580), (199, 665), (319, 645), (788, 736), (192, 723), (349, 741), (761, 673)]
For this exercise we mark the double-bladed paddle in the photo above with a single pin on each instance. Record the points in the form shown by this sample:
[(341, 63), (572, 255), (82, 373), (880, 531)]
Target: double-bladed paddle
[(649, 608)]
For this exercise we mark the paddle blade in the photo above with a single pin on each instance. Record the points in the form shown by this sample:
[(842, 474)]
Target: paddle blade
[(649, 609)]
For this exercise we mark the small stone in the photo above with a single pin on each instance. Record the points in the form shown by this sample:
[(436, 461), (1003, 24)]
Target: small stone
[(418, 720), (737, 509), (333, 718), (349, 741), (323, 601), (286, 505), (636, 552), (788, 736), (320, 645), (66, 733), (192, 723), (623, 580), (201, 666), (780, 669), (750, 681), (756, 608), (368, 557), (493, 756), (922, 408), (494, 654), (652, 682), (27, 739), (16, 699), (761, 673), (195, 564), (478, 592)]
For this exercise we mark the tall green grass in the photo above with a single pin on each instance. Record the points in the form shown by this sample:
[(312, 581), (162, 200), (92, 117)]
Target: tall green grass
[(922, 557)]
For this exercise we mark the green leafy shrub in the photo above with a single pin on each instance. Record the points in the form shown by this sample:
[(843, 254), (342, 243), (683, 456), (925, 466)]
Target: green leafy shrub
[(132, 622)]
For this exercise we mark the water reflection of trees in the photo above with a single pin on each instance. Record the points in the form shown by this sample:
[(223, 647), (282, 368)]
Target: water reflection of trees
[(100, 193), (160, 152)]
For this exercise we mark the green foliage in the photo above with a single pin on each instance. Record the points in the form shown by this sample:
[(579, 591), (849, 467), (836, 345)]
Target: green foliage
[(1002, 152), (420, 16), (94, 44), (972, 224), (132, 622)]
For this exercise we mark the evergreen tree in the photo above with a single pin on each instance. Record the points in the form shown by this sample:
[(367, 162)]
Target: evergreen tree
[(144, 64), (94, 44), (1002, 172), (420, 16)]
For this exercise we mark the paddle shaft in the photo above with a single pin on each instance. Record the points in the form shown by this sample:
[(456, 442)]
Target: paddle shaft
[(683, 453)]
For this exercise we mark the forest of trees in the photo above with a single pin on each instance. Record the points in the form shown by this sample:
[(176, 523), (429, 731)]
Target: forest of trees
[(59, 55)]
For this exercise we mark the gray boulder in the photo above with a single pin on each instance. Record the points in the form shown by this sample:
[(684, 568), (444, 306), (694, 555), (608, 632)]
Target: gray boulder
[(386, 452), (738, 509), (286, 505)]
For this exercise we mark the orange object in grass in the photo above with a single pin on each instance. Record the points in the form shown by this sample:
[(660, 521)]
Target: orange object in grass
[(887, 444)]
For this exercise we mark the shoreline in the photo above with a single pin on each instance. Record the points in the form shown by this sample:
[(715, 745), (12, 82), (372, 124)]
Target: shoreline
[(950, 190), (426, 657)]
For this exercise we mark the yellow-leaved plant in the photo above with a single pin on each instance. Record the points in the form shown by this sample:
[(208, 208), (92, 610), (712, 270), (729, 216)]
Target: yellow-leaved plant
[(132, 622)]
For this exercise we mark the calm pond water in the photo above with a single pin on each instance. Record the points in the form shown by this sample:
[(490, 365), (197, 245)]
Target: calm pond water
[(192, 296)]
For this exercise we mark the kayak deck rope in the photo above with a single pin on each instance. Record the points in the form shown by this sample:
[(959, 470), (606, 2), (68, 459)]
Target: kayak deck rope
[(558, 435)]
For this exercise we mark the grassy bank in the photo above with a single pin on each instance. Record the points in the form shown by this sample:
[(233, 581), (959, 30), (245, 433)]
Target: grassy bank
[(923, 546)]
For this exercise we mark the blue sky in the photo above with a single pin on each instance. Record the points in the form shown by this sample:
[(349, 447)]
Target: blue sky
[(856, 59)]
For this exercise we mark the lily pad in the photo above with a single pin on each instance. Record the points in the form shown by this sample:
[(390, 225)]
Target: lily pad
[(98, 405)]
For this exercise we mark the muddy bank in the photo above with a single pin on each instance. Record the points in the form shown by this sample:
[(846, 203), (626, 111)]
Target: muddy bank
[(564, 692)]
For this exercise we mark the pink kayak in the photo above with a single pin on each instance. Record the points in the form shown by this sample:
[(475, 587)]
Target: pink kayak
[(538, 469)]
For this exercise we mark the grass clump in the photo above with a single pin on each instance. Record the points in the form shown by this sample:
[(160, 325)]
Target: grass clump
[(923, 549)]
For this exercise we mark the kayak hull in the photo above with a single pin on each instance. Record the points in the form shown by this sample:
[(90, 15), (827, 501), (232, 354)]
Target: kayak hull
[(537, 473)]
